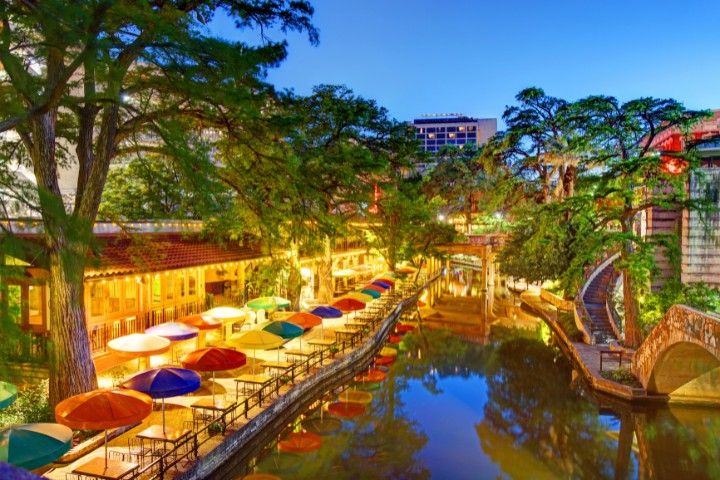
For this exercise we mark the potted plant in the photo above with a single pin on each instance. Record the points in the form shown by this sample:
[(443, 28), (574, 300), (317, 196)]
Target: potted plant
[(215, 428), (334, 349)]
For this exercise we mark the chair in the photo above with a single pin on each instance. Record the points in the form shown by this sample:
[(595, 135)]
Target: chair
[(137, 449)]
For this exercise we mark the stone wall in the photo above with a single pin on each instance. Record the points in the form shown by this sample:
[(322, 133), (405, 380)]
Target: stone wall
[(239, 448), (700, 246), (681, 324)]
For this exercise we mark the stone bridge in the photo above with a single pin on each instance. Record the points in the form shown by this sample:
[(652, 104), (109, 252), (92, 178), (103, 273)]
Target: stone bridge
[(681, 357)]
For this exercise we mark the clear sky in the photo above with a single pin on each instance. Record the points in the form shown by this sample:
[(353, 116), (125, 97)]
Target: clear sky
[(474, 56)]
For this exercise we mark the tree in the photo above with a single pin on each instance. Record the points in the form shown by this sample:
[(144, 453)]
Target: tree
[(632, 181), (87, 81)]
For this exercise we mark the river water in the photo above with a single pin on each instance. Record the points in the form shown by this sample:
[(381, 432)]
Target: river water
[(509, 407)]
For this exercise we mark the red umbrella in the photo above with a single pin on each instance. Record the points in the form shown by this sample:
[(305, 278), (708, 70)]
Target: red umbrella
[(346, 409), (348, 305), (371, 376), (404, 328), (301, 442), (387, 280), (384, 360), (214, 359), (395, 339), (102, 409)]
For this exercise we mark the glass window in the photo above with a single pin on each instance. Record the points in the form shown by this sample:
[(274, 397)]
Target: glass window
[(180, 284), (36, 299), (96, 299), (451, 135), (169, 287), (192, 284), (156, 290), (113, 297), (432, 130), (461, 129), (431, 135), (452, 129), (470, 128), (131, 293)]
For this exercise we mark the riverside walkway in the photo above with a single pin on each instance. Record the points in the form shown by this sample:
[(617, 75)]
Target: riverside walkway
[(586, 358)]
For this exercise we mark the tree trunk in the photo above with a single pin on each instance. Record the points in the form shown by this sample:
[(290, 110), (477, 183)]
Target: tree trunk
[(294, 277), (326, 291), (633, 335), (72, 370)]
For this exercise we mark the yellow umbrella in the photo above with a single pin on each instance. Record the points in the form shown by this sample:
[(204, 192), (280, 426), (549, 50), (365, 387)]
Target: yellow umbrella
[(362, 297), (388, 352), (255, 340)]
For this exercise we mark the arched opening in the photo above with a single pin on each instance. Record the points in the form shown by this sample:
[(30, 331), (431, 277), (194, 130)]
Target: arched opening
[(679, 365)]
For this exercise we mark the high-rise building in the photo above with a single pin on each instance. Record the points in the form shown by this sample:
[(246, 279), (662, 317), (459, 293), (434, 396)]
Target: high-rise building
[(457, 129)]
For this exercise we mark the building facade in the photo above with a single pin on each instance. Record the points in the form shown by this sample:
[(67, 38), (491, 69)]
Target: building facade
[(453, 129)]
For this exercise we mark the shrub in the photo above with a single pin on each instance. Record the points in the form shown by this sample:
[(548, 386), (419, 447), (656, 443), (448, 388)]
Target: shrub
[(31, 406), (622, 376)]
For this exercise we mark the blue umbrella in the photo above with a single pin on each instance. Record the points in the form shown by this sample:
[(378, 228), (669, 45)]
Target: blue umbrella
[(327, 312), (381, 284), (8, 394), (285, 330), (33, 445), (164, 382)]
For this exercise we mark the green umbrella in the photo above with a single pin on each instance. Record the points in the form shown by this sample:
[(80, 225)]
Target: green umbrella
[(8, 394), (268, 303), (33, 445), (368, 291)]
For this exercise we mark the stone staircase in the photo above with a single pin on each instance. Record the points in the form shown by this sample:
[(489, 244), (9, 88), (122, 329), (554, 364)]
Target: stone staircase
[(594, 298)]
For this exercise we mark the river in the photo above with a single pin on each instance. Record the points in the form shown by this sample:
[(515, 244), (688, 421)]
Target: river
[(506, 407)]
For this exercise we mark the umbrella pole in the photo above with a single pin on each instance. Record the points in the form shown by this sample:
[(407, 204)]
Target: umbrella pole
[(213, 388), (106, 456), (163, 414)]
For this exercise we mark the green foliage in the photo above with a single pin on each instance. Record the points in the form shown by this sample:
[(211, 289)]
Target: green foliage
[(622, 376), (697, 295), (31, 406), (567, 323)]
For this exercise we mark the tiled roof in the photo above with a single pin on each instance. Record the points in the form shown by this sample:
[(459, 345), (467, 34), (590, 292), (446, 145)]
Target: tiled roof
[(121, 255)]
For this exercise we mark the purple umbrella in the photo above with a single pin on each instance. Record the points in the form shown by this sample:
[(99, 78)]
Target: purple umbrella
[(164, 382)]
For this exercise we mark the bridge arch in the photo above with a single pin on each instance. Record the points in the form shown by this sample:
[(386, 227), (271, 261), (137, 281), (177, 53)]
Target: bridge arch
[(681, 357)]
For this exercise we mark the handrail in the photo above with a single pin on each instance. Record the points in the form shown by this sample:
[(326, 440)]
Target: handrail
[(157, 468)]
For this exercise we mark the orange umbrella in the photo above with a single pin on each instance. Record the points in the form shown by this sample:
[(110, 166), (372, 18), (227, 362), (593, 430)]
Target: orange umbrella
[(372, 376), (301, 442), (304, 320), (384, 360), (102, 409), (348, 305), (201, 321), (404, 328), (346, 409)]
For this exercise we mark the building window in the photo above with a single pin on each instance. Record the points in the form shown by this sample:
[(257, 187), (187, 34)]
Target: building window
[(131, 291), (113, 297), (156, 292), (96, 299), (431, 135), (180, 284), (36, 300), (169, 287), (461, 129), (192, 284), (451, 135)]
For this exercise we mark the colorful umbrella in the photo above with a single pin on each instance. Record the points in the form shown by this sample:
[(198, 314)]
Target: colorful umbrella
[(348, 305), (366, 386), (346, 409), (305, 320), (384, 360), (389, 280), (404, 328), (326, 312), (164, 382), (370, 291), (226, 314), (138, 345), (389, 274), (361, 297), (395, 339), (173, 331), (301, 442), (214, 359), (371, 376), (407, 270), (344, 273), (203, 322), (420, 303), (33, 445), (381, 284), (255, 340), (355, 396), (8, 394), (388, 352), (285, 330), (321, 426), (268, 303), (377, 288), (102, 409)]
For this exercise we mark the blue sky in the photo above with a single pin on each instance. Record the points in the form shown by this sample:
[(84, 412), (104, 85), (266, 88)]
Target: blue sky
[(474, 56)]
